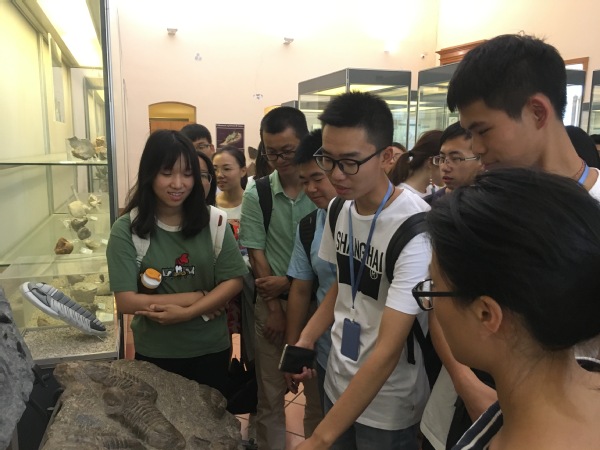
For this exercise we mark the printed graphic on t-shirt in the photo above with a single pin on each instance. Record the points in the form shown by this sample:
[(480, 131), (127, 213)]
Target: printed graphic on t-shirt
[(180, 269), (371, 277)]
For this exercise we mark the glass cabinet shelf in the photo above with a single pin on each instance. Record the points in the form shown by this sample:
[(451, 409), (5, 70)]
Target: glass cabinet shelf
[(51, 159)]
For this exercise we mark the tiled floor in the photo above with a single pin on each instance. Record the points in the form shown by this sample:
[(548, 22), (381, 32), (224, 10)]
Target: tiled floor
[(294, 403)]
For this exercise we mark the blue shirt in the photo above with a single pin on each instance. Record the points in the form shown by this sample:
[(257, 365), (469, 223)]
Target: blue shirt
[(301, 268)]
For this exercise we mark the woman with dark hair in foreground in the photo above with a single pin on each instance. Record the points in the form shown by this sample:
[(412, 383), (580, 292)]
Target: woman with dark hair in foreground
[(515, 288)]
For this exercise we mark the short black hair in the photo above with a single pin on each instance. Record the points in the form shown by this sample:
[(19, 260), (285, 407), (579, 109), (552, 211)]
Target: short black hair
[(595, 138), (361, 110), (282, 118), (454, 131), (531, 241), (506, 71), (308, 146), (195, 131)]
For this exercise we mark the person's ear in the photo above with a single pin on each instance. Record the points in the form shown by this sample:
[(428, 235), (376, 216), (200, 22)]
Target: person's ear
[(244, 171), (541, 108), (488, 313), (387, 156)]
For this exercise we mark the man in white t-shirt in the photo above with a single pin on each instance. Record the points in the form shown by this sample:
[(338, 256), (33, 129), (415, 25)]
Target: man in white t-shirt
[(374, 397), (511, 95)]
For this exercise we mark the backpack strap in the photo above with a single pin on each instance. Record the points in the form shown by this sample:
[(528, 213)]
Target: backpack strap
[(218, 222), (265, 199), (410, 228), (306, 231), (334, 211), (141, 244)]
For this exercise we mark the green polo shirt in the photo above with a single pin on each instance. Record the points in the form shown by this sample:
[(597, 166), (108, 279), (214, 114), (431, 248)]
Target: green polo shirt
[(278, 243)]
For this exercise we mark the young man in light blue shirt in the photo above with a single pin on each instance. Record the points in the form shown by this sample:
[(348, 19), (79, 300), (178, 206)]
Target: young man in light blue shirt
[(305, 270)]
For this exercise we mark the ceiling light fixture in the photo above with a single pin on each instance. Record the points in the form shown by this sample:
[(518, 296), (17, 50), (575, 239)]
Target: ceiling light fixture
[(171, 31), (287, 40)]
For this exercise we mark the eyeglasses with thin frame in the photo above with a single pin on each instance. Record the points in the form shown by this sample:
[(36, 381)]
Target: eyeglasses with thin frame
[(438, 160), (348, 166), (205, 176), (286, 156), (424, 294), (202, 146)]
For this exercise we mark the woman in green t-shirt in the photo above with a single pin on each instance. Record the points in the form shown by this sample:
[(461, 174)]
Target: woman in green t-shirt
[(177, 323)]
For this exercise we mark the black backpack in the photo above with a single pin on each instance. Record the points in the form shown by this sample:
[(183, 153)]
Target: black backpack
[(410, 228)]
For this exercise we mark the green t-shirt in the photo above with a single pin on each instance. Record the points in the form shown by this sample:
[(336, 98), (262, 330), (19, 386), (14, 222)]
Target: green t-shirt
[(186, 265), (282, 229)]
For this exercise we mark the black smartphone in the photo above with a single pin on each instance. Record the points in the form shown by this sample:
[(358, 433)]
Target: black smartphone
[(293, 359)]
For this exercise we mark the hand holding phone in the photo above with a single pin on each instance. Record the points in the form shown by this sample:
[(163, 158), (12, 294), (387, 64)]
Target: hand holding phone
[(293, 359)]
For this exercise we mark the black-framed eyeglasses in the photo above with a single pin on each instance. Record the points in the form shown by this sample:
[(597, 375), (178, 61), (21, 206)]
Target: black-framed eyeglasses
[(423, 293), (286, 156), (438, 160), (347, 165), (205, 176)]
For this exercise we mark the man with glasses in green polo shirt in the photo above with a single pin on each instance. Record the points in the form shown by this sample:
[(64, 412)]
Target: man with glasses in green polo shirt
[(269, 251)]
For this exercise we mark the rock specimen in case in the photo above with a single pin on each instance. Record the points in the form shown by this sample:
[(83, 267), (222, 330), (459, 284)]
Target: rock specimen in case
[(82, 148), (63, 247)]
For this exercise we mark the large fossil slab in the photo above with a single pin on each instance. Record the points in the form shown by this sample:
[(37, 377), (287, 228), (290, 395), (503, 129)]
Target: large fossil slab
[(135, 405)]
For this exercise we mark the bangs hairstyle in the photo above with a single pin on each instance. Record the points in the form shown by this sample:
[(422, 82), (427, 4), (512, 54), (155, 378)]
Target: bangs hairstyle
[(162, 150), (531, 241), (240, 158), (361, 110), (506, 71)]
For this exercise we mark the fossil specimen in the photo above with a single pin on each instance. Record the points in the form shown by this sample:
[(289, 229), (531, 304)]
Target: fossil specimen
[(94, 201), (91, 244), (98, 441), (77, 224), (110, 376), (84, 233), (56, 304), (143, 418), (63, 247), (78, 209), (82, 148)]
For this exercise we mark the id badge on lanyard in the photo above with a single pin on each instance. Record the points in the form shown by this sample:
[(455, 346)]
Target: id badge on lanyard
[(351, 329)]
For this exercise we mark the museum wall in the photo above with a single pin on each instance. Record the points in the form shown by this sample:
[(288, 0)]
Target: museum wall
[(571, 26), (242, 51), (221, 56)]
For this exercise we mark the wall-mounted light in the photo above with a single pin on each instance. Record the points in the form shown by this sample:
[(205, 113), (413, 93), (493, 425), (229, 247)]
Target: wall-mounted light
[(287, 40), (171, 31)]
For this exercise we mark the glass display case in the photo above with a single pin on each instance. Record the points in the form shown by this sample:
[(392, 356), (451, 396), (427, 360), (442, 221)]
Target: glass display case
[(84, 279), (391, 85), (57, 189), (594, 117), (575, 90), (55, 163), (433, 112)]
